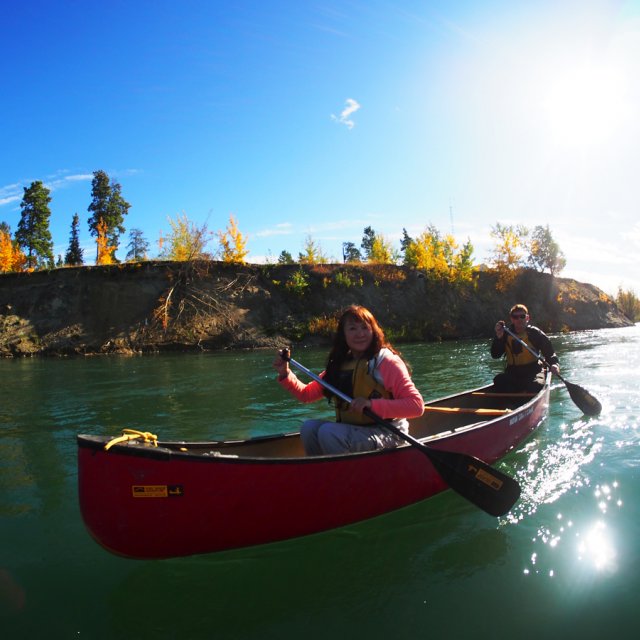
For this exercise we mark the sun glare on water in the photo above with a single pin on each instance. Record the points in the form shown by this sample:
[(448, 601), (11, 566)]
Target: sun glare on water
[(597, 548)]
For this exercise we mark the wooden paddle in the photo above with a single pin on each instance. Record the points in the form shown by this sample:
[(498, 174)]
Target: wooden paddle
[(589, 405), (491, 490)]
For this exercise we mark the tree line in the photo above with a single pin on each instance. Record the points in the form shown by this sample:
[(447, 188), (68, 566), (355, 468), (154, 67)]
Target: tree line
[(443, 257), (31, 247), (440, 255)]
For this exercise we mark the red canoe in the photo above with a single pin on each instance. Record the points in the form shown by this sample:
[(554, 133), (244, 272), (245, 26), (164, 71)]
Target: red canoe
[(153, 499)]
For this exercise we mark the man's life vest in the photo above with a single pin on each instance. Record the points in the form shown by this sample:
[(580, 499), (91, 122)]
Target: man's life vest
[(517, 355), (357, 380)]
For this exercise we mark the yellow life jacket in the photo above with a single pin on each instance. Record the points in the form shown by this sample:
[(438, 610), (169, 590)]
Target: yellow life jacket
[(357, 381), (516, 354)]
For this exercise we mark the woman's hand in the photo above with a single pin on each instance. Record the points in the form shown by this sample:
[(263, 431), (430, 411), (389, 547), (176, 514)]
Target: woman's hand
[(360, 404), (499, 329), (281, 366)]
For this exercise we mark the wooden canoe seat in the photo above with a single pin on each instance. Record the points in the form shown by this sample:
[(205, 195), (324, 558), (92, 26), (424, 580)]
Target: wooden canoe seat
[(490, 394), (482, 412)]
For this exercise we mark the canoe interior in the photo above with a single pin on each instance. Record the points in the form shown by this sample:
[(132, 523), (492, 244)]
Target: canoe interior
[(442, 418)]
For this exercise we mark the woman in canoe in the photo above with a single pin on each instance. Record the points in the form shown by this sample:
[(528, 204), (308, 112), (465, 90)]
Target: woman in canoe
[(363, 365)]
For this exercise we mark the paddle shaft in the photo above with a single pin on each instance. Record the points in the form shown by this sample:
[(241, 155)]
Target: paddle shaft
[(475, 480)]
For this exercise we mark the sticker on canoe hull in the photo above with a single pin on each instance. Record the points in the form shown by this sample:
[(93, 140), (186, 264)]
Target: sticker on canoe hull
[(157, 490)]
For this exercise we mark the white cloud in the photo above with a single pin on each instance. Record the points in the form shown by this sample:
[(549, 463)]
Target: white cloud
[(338, 225), (58, 183), (14, 192), (279, 230), (79, 177), (10, 193), (345, 115), (9, 199)]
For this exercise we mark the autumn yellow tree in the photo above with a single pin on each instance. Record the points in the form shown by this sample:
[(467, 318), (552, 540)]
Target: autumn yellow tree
[(187, 241), (233, 244), (629, 303), (463, 262), (105, 250), (427, 252), (441, 256), (510, 245), (11, 257), (312, 253), (508, 252), (381, 251)]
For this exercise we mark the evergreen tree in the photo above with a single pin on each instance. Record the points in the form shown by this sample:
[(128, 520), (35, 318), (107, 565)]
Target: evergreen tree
[(406, 240), (75, 255), (351, 253), (368, 239), (107, 205), (138, 246), (285, 258), (33, 232)]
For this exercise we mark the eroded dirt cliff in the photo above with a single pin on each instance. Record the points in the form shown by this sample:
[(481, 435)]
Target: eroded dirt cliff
[(154, 306)]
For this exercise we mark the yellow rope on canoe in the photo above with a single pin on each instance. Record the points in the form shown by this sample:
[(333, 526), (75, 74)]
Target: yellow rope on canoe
[(132, 434)]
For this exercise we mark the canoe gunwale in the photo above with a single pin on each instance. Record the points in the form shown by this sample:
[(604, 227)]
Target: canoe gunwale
[(166, 451)]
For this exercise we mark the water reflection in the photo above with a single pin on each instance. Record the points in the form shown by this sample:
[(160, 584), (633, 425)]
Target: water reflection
[(549, 467), (559, 544), (368, 577), (597, 549)]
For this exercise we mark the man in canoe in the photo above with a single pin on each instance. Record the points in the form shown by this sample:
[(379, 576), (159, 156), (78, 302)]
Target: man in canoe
[(523, 371), (364, 366)]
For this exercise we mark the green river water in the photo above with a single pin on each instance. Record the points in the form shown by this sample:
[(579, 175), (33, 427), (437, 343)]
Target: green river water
[(565, 563)]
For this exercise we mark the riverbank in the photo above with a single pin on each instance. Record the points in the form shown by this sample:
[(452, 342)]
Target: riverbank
[(159, 306)]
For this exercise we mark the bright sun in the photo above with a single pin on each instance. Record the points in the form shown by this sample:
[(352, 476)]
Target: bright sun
[(585, 106)]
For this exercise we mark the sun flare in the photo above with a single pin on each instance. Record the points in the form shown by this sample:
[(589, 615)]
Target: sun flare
[(585, 106)]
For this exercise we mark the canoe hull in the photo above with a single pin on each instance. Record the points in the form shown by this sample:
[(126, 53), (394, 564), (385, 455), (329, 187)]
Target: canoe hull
[(142, 501)]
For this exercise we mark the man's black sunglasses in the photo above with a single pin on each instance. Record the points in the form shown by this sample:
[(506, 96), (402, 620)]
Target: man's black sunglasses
[(518, 316)]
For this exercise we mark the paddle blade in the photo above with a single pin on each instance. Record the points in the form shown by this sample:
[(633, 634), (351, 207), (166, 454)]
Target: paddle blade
[(589, 405), (491, 490)]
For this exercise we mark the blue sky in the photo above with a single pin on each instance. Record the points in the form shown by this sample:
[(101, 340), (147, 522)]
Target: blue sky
[(321, 118)]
